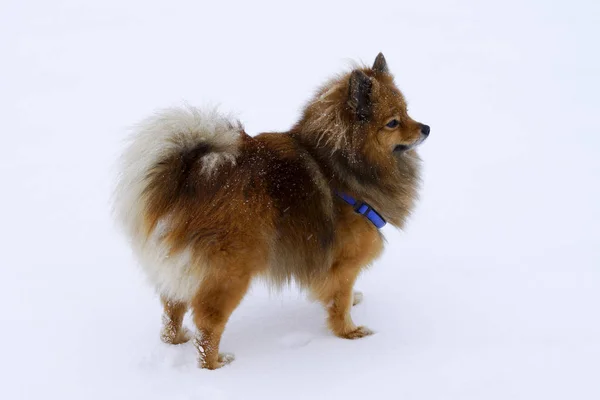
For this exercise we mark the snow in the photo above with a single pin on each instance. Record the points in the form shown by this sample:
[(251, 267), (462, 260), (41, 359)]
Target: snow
[(492, 291)]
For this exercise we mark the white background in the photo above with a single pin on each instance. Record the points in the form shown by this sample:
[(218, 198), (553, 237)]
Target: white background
[(491, 292)]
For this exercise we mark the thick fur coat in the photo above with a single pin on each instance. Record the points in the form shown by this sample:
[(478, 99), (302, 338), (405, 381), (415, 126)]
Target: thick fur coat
[(208, 208)]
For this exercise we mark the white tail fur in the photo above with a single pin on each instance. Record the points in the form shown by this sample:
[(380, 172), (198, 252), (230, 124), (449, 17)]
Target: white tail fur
[(168, 131)]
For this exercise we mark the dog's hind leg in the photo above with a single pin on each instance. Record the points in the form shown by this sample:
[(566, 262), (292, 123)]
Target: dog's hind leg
[(218, 296), (357, 298), (173, 332)]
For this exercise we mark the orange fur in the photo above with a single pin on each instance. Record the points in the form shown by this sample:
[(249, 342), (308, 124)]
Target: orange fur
[(271, 211)]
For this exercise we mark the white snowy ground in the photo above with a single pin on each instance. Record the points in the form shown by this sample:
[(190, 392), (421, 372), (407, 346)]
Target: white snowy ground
[(492, 291)]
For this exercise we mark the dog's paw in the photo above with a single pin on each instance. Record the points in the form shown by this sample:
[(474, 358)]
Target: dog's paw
[(357, 333), (169, 336), (357, 298), (226, 358), (223, 360)]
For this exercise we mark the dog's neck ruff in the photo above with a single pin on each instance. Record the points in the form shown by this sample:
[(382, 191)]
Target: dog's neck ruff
[(363, 209)]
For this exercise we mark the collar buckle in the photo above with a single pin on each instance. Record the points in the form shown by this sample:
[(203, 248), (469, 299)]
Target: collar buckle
[(363, 209)]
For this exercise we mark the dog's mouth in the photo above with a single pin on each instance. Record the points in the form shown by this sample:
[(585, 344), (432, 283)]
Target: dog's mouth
[(401, 148)]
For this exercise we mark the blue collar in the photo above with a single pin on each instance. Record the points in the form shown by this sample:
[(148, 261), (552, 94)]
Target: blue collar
[(363, 209)]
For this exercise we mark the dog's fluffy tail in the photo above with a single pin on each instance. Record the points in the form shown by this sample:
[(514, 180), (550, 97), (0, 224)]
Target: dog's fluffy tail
[(170, 134)]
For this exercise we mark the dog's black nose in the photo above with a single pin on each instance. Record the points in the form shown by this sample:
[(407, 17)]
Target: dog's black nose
[(425, 129)]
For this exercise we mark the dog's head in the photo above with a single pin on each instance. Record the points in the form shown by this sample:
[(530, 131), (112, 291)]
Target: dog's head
[(363, 114), (358, 128), (379, 106)]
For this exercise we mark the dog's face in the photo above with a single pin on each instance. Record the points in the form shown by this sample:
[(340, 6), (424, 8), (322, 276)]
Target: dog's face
[(362, 118), (381, 119), (358, 128)]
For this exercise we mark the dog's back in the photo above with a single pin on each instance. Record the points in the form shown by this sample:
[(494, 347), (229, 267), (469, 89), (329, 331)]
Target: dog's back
[(196, 190)]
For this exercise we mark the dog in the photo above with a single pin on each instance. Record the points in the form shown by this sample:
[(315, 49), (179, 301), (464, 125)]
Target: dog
[(208, 208)]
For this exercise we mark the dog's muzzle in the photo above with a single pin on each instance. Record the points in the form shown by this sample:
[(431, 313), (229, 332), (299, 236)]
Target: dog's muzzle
[(425, 129)]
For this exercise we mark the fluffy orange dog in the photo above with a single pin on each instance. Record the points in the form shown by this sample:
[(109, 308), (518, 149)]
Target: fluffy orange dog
[(209, 208)]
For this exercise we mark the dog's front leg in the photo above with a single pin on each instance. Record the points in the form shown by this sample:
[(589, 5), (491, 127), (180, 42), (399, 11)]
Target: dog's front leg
[(336, 293)]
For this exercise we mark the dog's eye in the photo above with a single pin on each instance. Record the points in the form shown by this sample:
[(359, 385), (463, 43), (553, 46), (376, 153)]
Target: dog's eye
[(393, 123)]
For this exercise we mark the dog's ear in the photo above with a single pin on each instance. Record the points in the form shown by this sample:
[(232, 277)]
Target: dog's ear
[(360, 94), (380, 65)]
